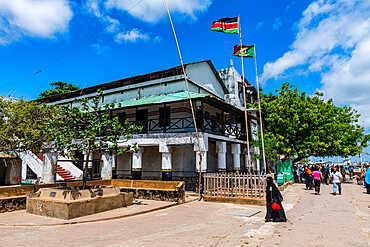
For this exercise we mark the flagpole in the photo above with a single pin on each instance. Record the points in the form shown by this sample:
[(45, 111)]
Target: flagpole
[(191, 104), (259, 109), (245, 100)]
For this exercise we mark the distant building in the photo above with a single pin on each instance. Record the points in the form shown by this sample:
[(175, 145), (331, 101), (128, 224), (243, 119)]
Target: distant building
[(159, 103)]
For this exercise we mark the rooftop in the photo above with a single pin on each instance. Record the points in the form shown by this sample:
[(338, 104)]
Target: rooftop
[(130, 81)]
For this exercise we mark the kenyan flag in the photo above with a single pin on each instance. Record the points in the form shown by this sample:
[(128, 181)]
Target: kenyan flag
[(226, 25)]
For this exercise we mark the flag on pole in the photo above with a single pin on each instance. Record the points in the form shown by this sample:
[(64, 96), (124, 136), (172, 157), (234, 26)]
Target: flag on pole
[(244, 51), (226, 25)]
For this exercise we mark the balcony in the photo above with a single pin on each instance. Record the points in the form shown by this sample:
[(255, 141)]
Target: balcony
[(186, 124)]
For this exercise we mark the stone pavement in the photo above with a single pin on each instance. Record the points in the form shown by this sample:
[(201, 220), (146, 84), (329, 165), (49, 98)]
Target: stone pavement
[(323, 220), (21, 218), (191, 224)]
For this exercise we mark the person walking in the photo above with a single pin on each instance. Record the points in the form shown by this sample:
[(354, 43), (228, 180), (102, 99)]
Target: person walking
[(274, 208), (300, 174), (308, 178), (350, 170), (336, 179), (295, 171), (367, 180), (325, 174), (317, 176)]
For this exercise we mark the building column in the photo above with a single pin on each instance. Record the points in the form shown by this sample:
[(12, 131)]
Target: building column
[(166, 162), (166, 167), (204, 161), (89, 165), (137, 164), (201, 150), (49, 167), (246, 163), (256, 151), (258, 164), (236, 151), (24, 171), (221, 151), (107, 166)]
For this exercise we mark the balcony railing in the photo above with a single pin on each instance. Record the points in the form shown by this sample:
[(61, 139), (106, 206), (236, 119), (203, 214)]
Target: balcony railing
[(186, 124)]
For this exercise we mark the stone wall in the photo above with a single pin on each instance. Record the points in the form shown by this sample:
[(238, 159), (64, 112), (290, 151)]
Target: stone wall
[(12, 204), (152, 163), (14, 198), (13, 172)]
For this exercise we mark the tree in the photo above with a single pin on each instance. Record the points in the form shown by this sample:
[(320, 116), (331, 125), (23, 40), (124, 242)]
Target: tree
[(23, 124), (299, 126), (22, 128), (59, 87), (87, 126)]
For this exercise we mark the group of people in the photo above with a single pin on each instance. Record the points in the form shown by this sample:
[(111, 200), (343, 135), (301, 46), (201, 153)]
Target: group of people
[(314, 175)]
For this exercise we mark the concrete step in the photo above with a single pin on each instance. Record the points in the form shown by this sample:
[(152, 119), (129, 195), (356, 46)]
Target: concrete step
[(66, 175)]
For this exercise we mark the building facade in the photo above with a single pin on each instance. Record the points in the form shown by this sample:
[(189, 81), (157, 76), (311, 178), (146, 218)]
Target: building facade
[(168, 147)]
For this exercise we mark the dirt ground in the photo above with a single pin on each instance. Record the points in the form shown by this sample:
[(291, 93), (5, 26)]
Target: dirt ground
[(323, 220)]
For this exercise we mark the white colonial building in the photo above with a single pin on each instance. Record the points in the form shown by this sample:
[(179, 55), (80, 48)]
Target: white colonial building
[(168, 148)]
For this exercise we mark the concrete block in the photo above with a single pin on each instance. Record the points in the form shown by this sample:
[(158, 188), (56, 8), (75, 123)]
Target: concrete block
[(72, 202)]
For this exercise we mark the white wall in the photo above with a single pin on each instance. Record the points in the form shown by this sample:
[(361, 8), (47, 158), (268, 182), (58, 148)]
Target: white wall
[(202, 74)]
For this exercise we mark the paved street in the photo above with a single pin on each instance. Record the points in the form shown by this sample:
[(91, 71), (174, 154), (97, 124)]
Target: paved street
[(324, 220)]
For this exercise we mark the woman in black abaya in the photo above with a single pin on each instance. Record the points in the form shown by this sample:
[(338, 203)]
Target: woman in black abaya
[(274, 208)]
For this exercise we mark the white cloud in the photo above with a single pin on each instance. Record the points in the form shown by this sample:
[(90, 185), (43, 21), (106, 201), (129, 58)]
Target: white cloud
[(131, 36), (154, 10), (113, 24), (277, 23), (35, 18), (157, 39), (259, 26), (290, 6), (94, 7), (333, 39), (101, 49)]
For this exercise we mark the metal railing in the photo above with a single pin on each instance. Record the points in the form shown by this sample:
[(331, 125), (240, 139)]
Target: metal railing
[(235, 185), (185, 124)]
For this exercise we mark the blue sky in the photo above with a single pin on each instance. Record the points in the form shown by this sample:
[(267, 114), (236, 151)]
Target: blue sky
[(317, 45)]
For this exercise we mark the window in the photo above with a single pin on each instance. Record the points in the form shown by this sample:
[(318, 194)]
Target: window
[(121, 117), (142, 119), (214, 123), (199, 118), (164, 116)]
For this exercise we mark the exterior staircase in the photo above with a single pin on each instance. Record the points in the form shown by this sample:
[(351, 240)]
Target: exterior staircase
[(34, 163), (66, 175)]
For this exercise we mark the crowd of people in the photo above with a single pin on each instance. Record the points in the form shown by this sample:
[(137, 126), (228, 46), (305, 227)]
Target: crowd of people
[(314, 175)]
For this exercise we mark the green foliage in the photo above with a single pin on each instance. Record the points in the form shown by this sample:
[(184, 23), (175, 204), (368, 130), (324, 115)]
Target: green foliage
[(23, 124), (59, 87), (301, 126), (87, 126)]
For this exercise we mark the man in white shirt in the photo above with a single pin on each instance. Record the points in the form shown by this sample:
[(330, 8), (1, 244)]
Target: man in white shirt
[(336, 179)]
